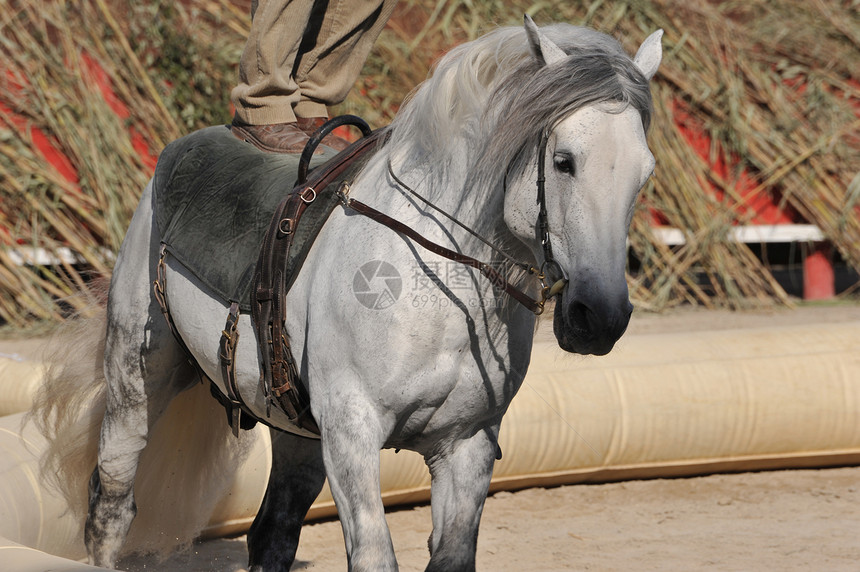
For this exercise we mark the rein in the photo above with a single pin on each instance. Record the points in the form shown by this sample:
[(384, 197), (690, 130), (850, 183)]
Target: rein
[(498, 280)]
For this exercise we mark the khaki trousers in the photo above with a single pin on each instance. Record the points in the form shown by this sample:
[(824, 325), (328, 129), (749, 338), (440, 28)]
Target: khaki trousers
[(302, 55)]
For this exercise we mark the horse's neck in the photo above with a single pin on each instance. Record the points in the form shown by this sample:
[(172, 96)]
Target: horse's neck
[(444, 185)]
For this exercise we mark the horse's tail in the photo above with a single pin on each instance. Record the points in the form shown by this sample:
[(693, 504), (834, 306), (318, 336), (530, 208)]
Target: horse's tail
[(69, 406), (187, 467)]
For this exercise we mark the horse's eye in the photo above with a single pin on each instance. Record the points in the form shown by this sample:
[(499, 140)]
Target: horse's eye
[(564, 163)]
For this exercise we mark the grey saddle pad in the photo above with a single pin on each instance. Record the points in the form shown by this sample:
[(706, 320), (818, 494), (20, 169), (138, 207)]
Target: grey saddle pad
[(214, 197)]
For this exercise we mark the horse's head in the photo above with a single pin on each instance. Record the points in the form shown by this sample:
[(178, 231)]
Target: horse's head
[(595, 161)]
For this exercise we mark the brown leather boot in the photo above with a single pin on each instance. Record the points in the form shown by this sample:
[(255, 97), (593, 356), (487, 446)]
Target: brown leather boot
[(310, 124), (276, 138)]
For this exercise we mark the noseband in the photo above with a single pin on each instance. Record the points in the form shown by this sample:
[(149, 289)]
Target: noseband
[(550, 267)]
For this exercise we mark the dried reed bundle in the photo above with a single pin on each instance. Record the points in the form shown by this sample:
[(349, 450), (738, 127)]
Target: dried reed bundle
[(772, 83), (85, 90)]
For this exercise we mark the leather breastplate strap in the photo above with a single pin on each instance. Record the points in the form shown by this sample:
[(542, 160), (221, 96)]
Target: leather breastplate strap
[(274, 276)]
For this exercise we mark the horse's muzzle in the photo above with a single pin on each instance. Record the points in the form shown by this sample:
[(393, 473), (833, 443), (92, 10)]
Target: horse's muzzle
[(590, 328)]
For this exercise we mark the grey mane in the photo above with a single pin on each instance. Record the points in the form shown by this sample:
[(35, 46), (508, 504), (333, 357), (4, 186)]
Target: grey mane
[(490, 100)]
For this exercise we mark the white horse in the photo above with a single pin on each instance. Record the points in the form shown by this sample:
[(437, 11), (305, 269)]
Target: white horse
[(434, 368)]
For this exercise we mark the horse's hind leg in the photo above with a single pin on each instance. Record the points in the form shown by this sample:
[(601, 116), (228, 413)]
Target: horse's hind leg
[(144, 368), (134, 405), (295, 481)]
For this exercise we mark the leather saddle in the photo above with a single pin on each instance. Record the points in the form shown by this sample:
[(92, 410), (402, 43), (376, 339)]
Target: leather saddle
[(242, 221)]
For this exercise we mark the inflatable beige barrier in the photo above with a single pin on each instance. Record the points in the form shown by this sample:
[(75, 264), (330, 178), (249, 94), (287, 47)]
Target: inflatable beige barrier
[(19, 379), (34, 519), (666, 405), (659, 405)]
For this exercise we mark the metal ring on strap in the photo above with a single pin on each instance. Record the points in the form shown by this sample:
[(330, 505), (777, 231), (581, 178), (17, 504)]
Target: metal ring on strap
[(320, 134)]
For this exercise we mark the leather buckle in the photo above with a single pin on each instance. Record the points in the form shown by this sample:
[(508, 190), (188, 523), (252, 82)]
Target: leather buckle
[(308, 199), (342, 193), (285, 226)]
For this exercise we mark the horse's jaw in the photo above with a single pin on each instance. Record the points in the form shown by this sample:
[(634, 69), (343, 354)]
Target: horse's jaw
[(590, 328)]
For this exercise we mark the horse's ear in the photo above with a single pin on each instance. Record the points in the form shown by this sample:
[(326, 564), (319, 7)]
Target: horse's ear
[(543, 49), (649, 55)]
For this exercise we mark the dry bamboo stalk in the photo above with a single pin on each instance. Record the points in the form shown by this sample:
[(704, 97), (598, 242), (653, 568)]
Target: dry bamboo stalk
[(133, 59), (725, 71)]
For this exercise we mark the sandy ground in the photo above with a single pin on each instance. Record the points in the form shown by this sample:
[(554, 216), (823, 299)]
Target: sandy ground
[(780, 520), (784, 520)]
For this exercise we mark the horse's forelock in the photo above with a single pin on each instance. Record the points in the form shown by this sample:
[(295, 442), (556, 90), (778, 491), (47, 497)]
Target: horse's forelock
[(533, 98)]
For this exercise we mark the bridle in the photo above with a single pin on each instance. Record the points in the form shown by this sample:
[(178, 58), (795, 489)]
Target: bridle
[(549, 275), (550, 266)]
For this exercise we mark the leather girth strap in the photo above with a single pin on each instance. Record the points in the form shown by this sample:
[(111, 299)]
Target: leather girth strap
[(238, 416), (272, 279)]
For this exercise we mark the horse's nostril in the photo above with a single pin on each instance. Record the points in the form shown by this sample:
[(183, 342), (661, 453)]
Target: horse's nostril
[(579, 317)]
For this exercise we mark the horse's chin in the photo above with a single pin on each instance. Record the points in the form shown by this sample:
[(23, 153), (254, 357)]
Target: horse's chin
[(582, 330)]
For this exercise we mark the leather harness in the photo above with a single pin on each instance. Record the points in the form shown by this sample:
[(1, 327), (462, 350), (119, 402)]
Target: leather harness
[(280, 382), (276, 270)]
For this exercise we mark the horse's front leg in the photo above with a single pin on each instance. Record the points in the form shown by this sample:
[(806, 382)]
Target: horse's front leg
[(460, 472), (295, 481), (351, 441)]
